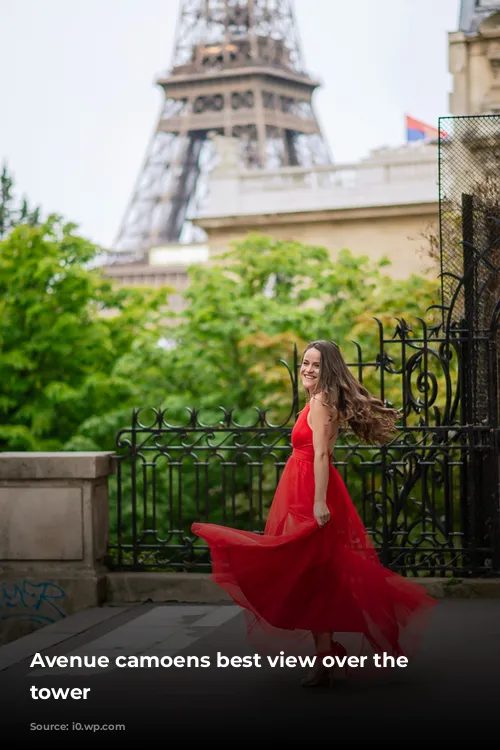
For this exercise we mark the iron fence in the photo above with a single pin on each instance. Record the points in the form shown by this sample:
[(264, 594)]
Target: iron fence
[(415, 494)]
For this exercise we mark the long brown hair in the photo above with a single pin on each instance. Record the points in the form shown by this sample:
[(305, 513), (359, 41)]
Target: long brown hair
[(349, 401)]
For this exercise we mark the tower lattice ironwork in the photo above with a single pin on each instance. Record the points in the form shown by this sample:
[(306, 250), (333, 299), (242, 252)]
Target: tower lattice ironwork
[(237, 71)]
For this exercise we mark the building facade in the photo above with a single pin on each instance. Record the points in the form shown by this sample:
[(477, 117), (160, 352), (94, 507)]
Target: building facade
[(474, 59)]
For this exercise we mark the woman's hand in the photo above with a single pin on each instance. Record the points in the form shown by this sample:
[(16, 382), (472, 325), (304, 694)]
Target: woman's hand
[(321, 513)]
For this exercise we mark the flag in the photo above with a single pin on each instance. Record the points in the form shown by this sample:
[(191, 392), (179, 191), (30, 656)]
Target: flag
[(420, 131)]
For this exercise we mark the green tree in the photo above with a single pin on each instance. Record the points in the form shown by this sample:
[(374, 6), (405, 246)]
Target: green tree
[(64, 331), (248, 310), (11, 213)]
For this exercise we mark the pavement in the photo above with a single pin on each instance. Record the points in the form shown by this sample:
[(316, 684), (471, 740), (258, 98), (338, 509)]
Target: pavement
[(453, 684)]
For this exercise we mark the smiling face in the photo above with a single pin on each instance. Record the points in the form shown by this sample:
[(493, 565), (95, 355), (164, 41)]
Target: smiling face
[(309, 369)]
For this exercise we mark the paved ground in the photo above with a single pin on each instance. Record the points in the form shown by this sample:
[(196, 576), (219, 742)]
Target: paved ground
[(455, 681)]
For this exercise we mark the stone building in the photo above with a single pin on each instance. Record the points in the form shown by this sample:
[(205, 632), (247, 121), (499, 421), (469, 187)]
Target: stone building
[(474, 59)]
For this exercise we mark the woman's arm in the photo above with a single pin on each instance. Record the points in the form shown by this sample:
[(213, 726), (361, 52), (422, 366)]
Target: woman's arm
[(321, 423)]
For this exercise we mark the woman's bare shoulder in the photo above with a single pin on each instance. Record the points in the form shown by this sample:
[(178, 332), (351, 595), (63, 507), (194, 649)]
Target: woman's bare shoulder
[(322, 409), (319, 404), (319, 398)]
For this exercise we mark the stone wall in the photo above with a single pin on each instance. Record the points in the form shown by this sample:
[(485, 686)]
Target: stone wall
[(54, 526), (397, 234)]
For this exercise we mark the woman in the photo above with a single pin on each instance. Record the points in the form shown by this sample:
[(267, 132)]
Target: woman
[(315, 569)]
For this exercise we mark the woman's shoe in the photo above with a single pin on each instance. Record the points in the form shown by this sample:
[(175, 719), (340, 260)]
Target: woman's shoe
[(338, 650), (319, 675)]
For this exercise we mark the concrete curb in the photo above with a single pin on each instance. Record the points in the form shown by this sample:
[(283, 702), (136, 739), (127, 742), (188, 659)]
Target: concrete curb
[(134, 588)]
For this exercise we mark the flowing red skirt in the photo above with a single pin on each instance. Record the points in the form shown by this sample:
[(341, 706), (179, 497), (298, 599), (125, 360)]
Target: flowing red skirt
[(297, 578)]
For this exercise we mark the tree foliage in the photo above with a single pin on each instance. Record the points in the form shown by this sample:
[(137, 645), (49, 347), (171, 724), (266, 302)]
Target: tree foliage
[(248, 310), (78, 354), (13, 213), (64, 332)]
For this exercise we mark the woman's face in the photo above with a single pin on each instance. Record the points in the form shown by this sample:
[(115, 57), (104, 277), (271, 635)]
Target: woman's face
[(309, 369)]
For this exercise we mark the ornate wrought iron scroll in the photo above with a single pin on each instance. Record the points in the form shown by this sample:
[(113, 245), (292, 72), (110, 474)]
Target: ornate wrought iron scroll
[(415, 495)]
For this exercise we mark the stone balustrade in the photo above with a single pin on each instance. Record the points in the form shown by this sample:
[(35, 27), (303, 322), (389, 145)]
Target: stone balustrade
[(388, 177)]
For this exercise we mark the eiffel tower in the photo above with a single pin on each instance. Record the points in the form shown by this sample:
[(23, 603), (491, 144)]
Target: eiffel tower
[(237, 71)]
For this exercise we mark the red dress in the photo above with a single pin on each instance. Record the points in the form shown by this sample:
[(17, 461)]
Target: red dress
[(299, 579)]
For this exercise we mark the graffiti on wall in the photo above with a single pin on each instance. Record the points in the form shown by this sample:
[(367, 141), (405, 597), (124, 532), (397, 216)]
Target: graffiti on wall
[(37, 602)]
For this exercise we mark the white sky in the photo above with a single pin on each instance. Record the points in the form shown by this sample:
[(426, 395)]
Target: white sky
[(78, 102)]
